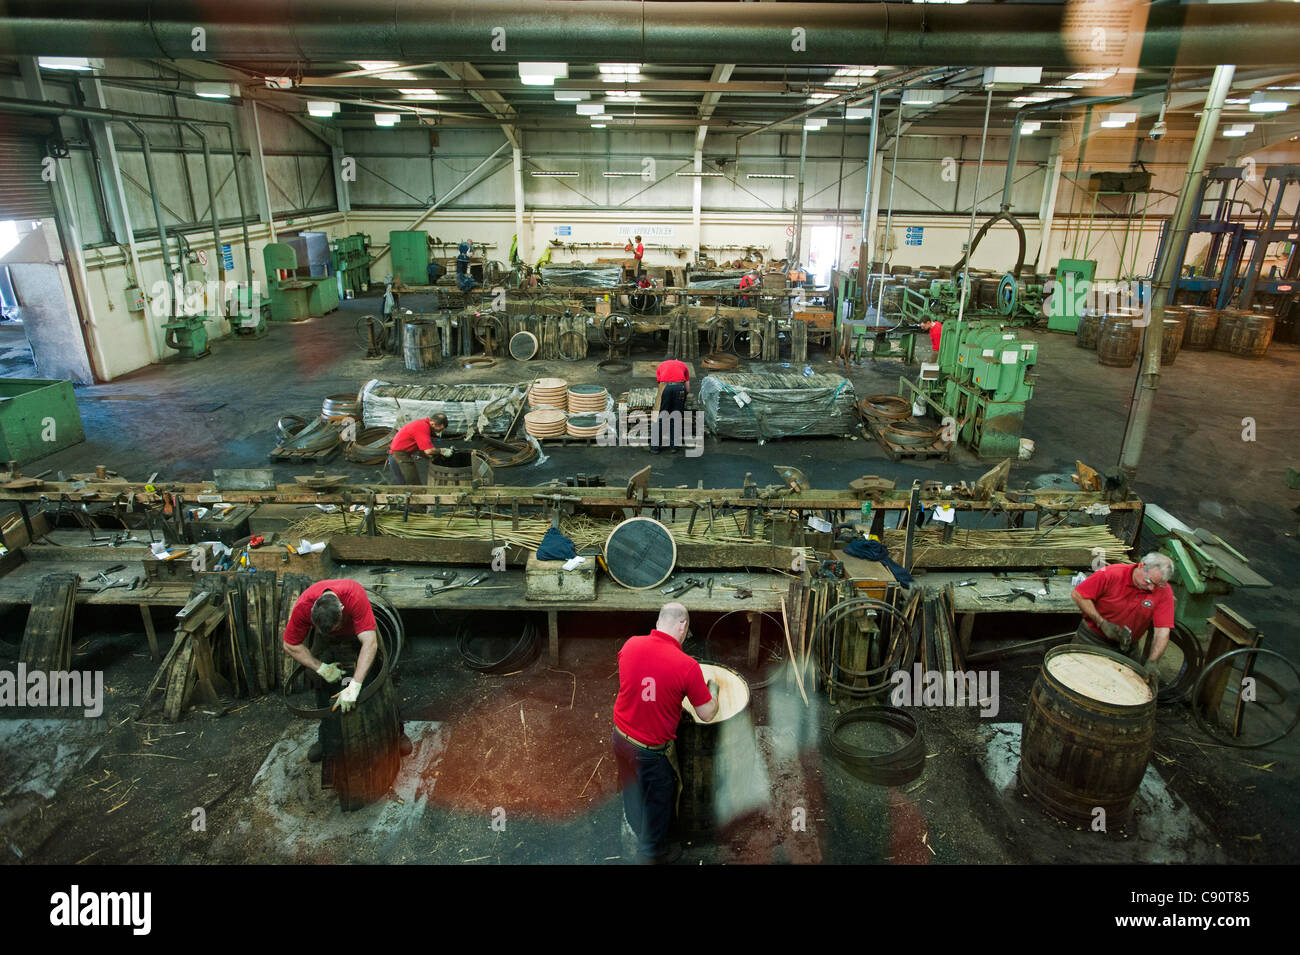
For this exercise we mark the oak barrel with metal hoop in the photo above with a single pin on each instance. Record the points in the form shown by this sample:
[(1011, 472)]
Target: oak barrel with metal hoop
[(716, 759), (1088, 733), (421, 348), (1085, 336), (1172, 341), (1198, 335), (1117, 344)]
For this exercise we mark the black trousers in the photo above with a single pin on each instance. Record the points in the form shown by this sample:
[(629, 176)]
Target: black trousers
[(672, 405), (649, 785)]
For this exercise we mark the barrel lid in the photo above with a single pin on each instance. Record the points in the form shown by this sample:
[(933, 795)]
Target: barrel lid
[(733, 693), (1099, 676), (523, 346), (640, 553)]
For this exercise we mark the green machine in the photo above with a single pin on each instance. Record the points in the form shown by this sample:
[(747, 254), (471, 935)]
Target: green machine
[(350, 259), (410, 254), (292, 298), (983, 383), (188, 335), (1073, 278), (1208, 568)]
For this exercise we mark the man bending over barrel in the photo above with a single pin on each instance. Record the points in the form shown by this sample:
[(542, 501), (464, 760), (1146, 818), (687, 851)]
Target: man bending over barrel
[(654, 675), (333, 613), (1121, 601), (418, 437)]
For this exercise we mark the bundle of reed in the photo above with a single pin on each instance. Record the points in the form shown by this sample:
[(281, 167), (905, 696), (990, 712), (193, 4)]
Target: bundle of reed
[(459, 526), (1021, 539)]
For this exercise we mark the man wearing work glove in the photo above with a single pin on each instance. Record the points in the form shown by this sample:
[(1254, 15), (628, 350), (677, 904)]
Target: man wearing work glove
[(1120, 602), (334, 613), (418, 437)]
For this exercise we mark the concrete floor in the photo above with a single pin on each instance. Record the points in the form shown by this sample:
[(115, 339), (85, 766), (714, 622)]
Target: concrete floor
[(535, 745)]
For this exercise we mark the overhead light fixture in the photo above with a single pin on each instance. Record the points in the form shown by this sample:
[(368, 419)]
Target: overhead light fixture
[(1093, 77), (1011, 77), (857, 112), (851, 75), (572, 96), (768, 175), (813, 125), (420, 93), (322, 108), (620, 72), (1031, 126), (814, 98), (1268, 102), (613, 174), (213, 90), (1238, 130), (376, 66), (542, 74), (566, 174), (279, 82), (623, 94), (700, 175), (387, 119), (920, 97), (597, 125), (590, 109), (66, 63), (1118, 120), (1237, 101)]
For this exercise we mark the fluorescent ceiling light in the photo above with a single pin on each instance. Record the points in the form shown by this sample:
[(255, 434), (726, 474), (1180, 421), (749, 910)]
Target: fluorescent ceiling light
[(572, 96), (322, 108), (699, 175), (421, 93), (213, 90), (818, 98), (1096, 77), (1118, 120), (590, 109), (597, 125), (857, 112), (387, 119), (612, 174), (851, 75), (1063, 85), (542, 74), (1012, 76), (1265, 102), (1237, 101), (1032, 126), (768, 175), (376, 66), (623, 94), (814, 125), (65, 63), (920, 97), (628, 71), (567, 174), (1238, 130), (601, 118)]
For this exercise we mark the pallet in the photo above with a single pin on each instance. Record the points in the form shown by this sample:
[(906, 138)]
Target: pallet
[(283, 455), (898, 452)]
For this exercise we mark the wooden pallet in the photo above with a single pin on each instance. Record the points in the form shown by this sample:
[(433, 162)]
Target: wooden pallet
[(898, 452)]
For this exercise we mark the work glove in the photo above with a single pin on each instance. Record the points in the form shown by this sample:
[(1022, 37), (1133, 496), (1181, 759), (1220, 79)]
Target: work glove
[(347, 699), (445, 452), (713, 689), (1153, 677), (1114, 631), (330, 672)]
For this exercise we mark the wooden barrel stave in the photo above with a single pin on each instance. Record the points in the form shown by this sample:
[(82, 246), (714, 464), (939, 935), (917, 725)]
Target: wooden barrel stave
[(421, 349)]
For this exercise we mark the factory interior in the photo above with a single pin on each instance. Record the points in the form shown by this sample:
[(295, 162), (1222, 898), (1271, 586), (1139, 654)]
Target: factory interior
[(973, 301)]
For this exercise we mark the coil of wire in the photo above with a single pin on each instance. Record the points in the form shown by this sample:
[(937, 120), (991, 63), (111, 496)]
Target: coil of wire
[(520, 654)]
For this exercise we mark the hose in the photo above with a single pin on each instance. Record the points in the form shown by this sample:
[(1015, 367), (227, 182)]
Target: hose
[(516, 658)]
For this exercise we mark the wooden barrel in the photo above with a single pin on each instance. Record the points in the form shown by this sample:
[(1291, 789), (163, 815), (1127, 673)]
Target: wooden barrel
[(1088, 733), (1172, 342), (1085, 336), (1117, 342), (1229, 321), (1252, 335), (716, 759), (1198, 334), (640, 553), (453, 471), (420, 346), (360, 754)]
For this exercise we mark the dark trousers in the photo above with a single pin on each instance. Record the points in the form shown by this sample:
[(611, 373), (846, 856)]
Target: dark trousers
[(1085, 637), (649, 786), (401, 467), (661, 430)]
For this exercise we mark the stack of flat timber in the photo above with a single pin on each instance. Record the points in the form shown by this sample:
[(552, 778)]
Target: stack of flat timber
[(778, 405), (798, 341), (937, 645), (545, 423), (549, 393), (1030, 547), (586, 399), (317, 443), (771, 340), (384, 405), (643, 398), (683, 337), (47, 641), (907, 438)]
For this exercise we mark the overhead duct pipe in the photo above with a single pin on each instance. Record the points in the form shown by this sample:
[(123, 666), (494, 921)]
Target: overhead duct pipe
[(1021, 34), (157, 216)]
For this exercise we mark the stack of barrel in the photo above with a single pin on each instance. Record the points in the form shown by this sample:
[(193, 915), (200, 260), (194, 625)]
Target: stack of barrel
[(1245, 334)]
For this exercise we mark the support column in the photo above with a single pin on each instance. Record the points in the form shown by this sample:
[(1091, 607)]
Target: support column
[(523, 243), (697, 193), (1167, 270), (865, 244), (1047, 209), (264, 200), (798, 210)]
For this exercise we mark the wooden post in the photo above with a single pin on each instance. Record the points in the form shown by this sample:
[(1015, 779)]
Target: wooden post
[(755, 628), (149, 633), (553, 635)]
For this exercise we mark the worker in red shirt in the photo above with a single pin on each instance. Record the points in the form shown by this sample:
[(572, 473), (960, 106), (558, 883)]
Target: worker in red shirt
[(638, 253), (333, 613), (418, 437), (936, 330), (1121, 601), (747, 282), (654, 676), (674, 383)]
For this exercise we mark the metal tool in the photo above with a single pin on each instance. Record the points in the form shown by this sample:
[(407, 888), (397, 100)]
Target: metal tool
[(681, 587), (429, 590), (439, 575)]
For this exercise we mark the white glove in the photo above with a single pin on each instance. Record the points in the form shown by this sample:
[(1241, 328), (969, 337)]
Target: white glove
[(445, 452), (330, 672), (347, 698)]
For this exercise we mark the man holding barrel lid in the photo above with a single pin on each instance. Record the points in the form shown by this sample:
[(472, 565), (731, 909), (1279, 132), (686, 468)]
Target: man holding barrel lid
[(1121, 601), (418, 437), (654, 676), (331, 612)]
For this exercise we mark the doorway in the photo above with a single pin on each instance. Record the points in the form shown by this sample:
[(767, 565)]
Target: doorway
[(822, 248)]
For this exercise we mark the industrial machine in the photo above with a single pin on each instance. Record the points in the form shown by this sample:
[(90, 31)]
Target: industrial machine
[(294, 298), (188, 335), (410, 254), (350, 260), (982, 382), (1073, 276)]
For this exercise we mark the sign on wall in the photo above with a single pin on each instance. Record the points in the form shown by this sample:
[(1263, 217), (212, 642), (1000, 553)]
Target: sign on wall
[(914, 235), (647, 231), (564, 230)]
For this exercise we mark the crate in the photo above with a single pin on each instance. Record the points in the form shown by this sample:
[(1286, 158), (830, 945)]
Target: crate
[(37, 417), (548, 580)]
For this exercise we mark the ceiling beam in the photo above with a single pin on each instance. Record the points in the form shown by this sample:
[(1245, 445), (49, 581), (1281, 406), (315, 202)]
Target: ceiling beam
[(490, 100)]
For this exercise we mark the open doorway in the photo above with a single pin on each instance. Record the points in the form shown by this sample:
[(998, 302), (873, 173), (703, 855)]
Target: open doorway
[(43, 338), (16, 359), (821, 252)]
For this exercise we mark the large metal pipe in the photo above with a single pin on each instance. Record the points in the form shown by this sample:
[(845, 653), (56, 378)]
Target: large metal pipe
[(212, 206), (157, 215), (1020, 34), (1167, 269), (37, 107), (864, 246)]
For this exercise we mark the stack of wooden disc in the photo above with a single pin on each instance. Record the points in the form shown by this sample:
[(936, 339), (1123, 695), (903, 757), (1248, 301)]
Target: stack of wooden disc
[(551, 392), (545, 423), (584, 399), (584, 425)]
